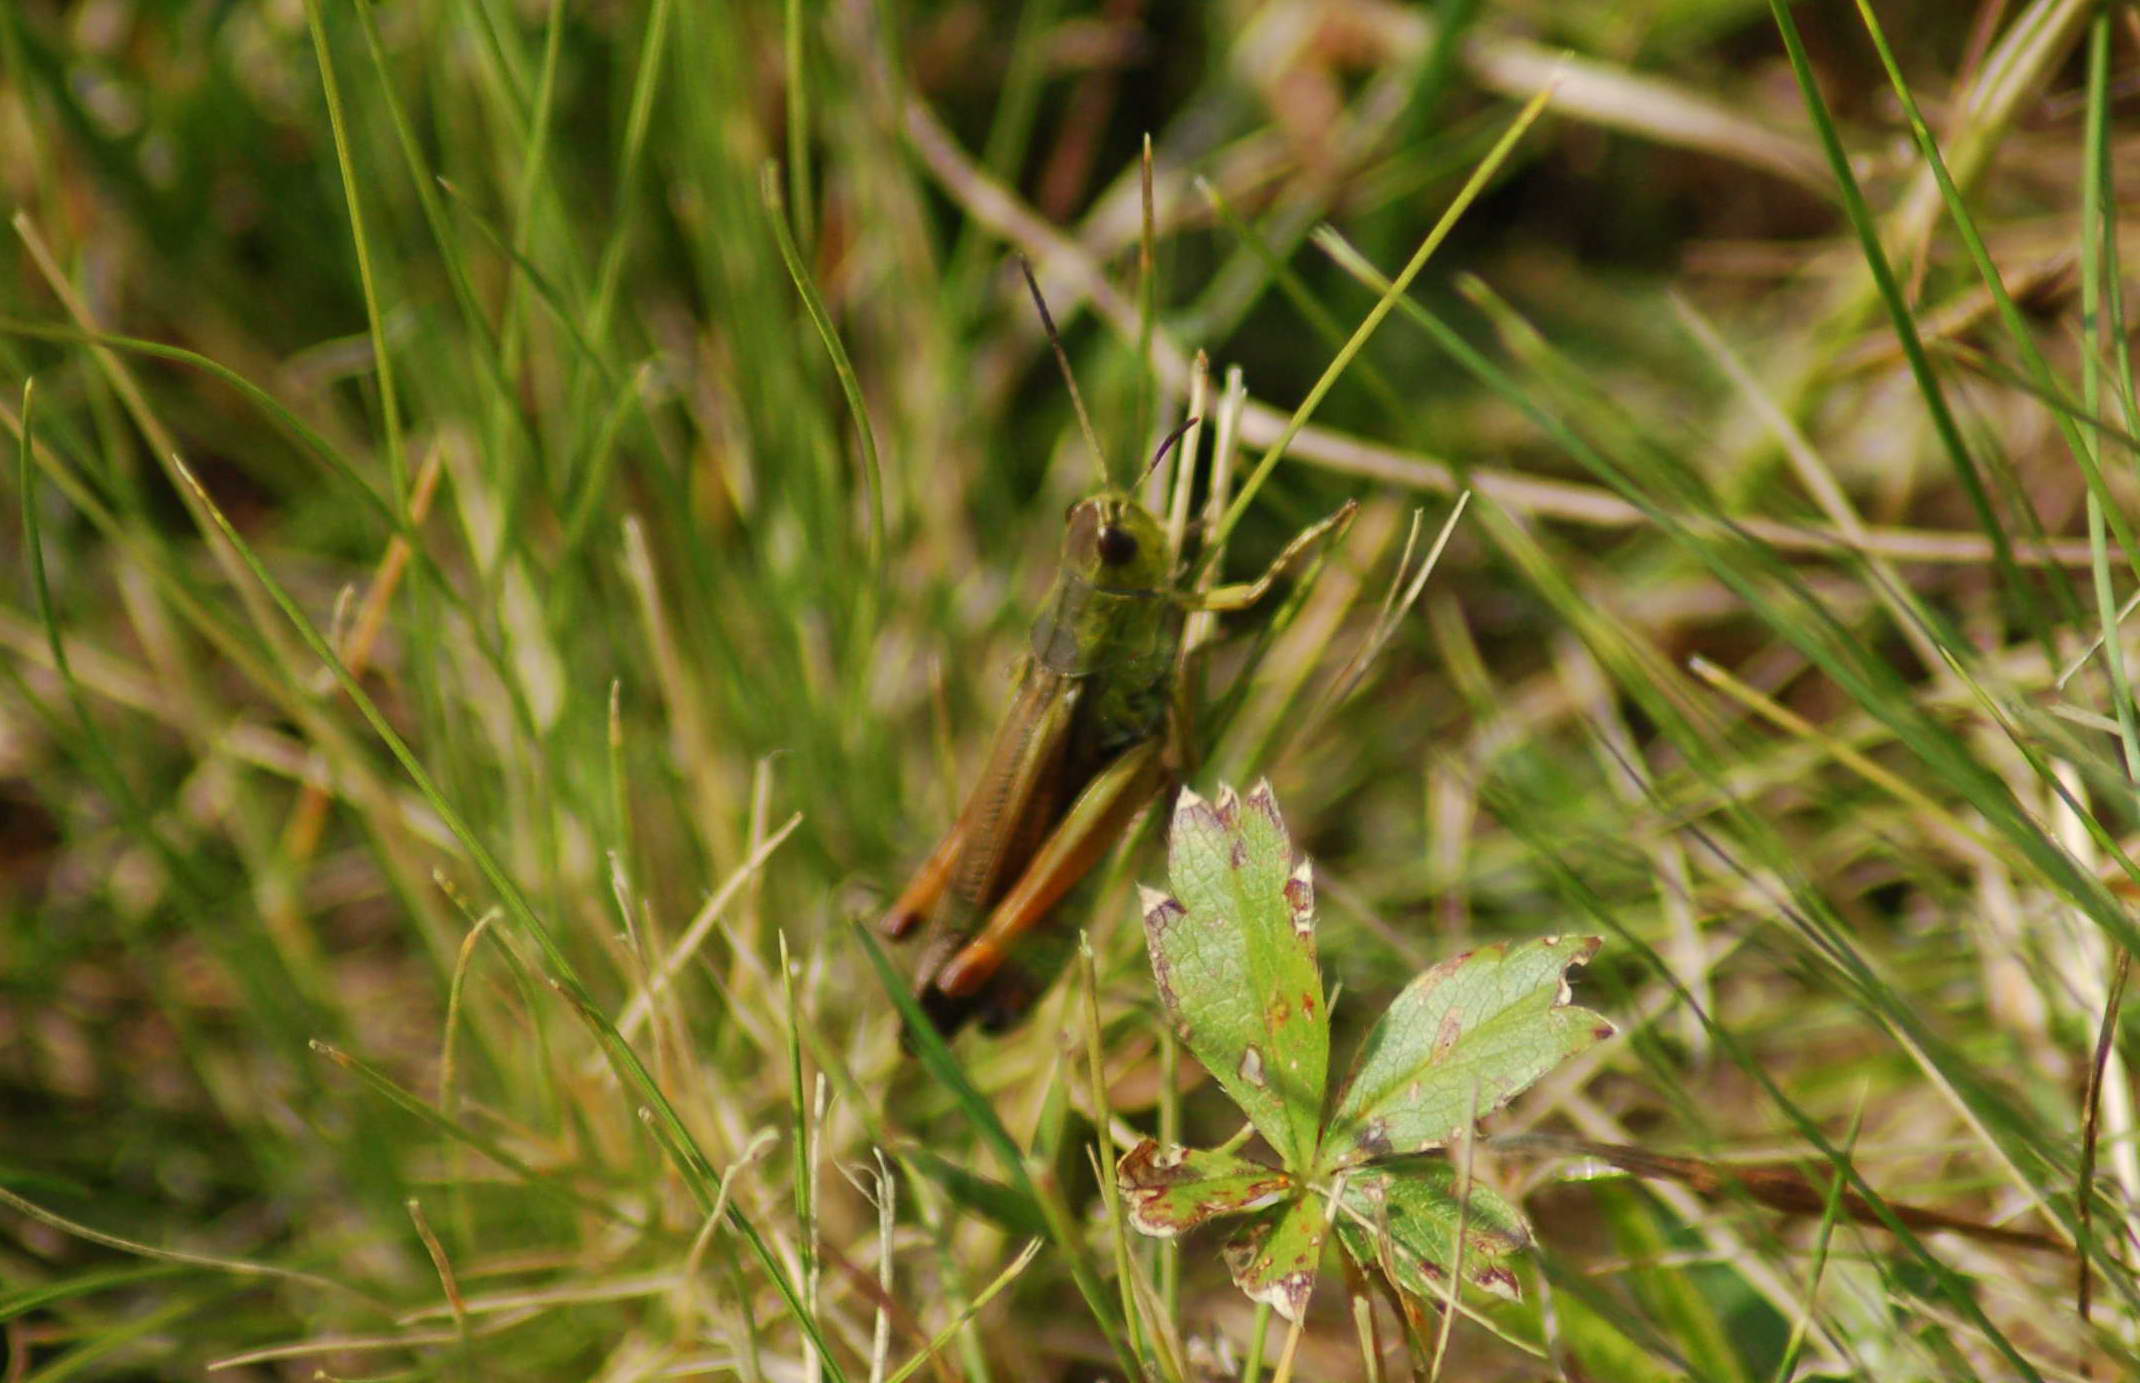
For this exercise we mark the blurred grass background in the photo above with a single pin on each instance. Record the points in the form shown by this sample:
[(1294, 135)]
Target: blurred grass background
[(446, 1033)]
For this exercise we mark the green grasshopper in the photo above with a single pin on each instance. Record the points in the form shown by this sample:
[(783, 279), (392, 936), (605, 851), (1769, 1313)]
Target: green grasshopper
[(1091, 737)]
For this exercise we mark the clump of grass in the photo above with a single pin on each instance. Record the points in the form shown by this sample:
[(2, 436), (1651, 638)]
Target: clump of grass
[(472, 649)]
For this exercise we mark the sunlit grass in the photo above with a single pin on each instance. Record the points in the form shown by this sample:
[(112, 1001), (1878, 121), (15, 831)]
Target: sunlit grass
[(478, 637)]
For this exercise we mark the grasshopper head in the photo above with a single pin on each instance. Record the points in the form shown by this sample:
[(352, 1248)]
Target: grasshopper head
[(1114, 545), (1113, 606)]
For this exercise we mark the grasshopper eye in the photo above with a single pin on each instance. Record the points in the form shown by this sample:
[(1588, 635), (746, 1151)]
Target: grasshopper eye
[(1117, 545)]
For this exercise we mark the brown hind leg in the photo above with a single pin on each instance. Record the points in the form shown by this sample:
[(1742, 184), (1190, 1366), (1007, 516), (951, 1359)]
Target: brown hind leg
[(1095, 821)]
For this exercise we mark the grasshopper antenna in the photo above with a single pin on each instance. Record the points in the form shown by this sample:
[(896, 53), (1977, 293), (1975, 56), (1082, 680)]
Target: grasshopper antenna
[(1164, 447), (1055, 341)]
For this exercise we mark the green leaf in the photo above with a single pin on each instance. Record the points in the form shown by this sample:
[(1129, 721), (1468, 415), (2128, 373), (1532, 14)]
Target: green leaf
[(1459, 1042), (1168, 1190), (1403, 1219), (1233, 951), (1274, 1259)]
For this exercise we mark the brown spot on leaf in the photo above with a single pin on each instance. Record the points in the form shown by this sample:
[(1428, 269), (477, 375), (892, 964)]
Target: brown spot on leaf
[(1291, 1294), (1373, 1137), (1445, 1037), (1138, 1165), (1300, 899), (1243, 1253), (1499, 1280), (1161, 910), (1195, 818), (1493, 1243)]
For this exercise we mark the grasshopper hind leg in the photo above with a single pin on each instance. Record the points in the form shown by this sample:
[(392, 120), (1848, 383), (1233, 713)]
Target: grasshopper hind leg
[(990, 962), (994, 1007), (1006, 1001), (947, 1013)]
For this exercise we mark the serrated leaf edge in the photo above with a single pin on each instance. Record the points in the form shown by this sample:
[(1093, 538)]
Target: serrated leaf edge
[(1361, 1147), (1287, 1295)]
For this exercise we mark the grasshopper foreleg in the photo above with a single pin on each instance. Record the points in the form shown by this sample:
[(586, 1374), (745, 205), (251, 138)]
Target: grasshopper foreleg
[(1241, 595)]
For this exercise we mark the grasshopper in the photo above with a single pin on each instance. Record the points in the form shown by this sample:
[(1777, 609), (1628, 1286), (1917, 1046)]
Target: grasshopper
[(1091, 737)]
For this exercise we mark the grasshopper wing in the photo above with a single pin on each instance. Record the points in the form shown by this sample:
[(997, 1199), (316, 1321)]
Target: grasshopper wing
[(1013, 807)]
